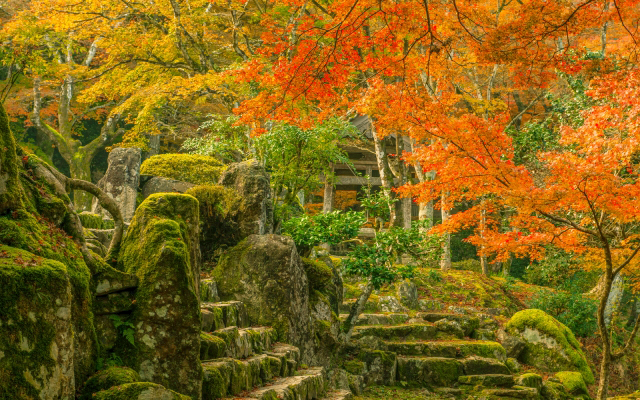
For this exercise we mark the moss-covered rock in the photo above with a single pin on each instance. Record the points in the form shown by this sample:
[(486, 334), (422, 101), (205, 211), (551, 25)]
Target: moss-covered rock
[(107, 378), (220, 208), (10, 189), (161, 248), (196, 169), (27, 231), (381, 367), (36, 349), (250, 180), (265, 273), (139, 391), (573, 382), (318, 273), (429, 371), (530, 380), (550, 345)]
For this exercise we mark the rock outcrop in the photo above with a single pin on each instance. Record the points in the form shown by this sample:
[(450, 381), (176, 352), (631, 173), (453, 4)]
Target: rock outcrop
[(159, 184), (162, 249), (549, 344), (251, 181), (266, 274), (121, 181)]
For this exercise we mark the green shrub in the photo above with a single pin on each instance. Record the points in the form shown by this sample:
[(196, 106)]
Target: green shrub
[(319, 274), (333, 228), (200, 170), (571, 308)]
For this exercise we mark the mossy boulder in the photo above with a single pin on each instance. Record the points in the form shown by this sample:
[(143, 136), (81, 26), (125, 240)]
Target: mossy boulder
[(530, 380), (196, 169), (266, 274), (549, 344), (573, 382), (108, 378), (252, 183), (161, 248), (318, 273), (26, 231), (139, 391), (220, 208), (36, 330)]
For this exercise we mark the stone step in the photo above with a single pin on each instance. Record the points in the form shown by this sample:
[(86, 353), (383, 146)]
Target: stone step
[(466, 322), (488, 381), (227, 376), (217, 316), (444, 371), (516, 392), (307, 385), (379, 319), (338, 395), (236, 343), (449, 349), (390, 332)]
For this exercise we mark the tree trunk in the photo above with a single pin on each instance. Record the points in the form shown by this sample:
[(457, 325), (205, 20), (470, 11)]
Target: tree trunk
[(80, 166), (603, 384), (329, 194), (483, 257), (385, 173), (445, 261), (355, 312)]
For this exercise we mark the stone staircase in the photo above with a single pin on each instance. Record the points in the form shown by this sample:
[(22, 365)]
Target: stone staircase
[(437, 351), (243, 362)]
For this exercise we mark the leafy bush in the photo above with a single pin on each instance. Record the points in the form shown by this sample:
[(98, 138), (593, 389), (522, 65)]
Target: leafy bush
[(560, 270), (571, 308), (200, 170), (376, 260), (333, 228)]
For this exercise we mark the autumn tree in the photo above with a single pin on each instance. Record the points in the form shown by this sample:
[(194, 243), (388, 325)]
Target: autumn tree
[(142, 68), (453, 76)]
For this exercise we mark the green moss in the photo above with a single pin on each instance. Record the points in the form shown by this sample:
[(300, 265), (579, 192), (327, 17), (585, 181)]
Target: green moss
[(107, 378), (200, 170), (319, 274), (467, 265), (219, 211), (540, 354), (10, 188), (211, 346), (217, 379), (90, 221), (530, 380), (139, 390), (354, 367), (573, 382), (30, 284)]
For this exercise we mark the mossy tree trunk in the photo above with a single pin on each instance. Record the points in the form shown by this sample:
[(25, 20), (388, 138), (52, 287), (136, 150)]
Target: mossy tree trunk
[(355, 312), (445, 261)]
